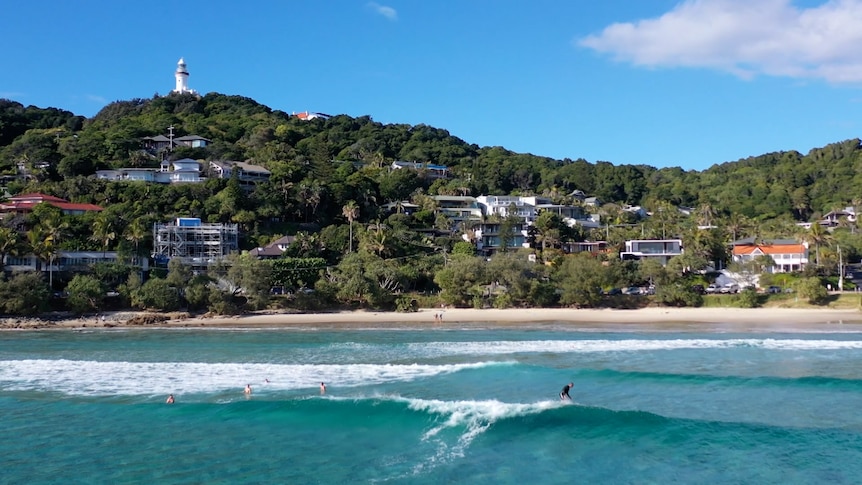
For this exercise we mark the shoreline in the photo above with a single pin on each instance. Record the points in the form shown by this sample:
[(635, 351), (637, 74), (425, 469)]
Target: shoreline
[(728, 318)]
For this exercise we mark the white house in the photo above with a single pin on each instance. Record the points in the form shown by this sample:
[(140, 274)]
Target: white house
[(660, 249)]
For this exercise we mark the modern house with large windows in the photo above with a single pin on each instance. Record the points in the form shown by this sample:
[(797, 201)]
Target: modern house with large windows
[(659, 249)]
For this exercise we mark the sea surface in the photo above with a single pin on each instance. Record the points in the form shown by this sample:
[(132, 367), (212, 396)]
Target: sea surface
[(472, 404)]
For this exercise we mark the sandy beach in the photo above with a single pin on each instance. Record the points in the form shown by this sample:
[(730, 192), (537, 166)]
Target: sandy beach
[(781, 317)]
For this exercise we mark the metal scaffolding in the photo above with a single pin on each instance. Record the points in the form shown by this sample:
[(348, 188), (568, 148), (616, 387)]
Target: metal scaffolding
[(196, 244)]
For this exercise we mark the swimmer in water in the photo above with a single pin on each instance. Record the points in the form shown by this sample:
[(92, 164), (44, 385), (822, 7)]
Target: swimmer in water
[(170, 399), (322, 388), (247, 389)]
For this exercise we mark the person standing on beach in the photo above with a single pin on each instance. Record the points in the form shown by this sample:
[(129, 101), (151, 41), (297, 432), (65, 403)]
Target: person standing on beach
[(564, 394)]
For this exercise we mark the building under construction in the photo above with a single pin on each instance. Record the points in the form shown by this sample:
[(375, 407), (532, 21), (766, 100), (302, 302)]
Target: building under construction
[(195, 243)]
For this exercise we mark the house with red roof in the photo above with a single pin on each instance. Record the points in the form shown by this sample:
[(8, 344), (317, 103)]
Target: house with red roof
[(788, 254), (24, 203)]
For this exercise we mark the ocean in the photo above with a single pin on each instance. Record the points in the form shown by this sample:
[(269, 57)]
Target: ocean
[(468, 404)]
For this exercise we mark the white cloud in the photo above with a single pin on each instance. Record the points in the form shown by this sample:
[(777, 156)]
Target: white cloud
[(383, 10), (746, 38)]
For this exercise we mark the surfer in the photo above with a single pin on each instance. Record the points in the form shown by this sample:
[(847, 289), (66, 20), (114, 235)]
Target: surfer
[(564, 394), (247, 389), (322, 388), (170, 399)]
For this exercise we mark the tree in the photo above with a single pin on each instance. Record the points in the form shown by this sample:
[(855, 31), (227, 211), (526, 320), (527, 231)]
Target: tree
[(581, 278), (252, 278), (156, 294), (350, 211), (135, 233), (85, 294), (9, 241), (461, 279), (24, 294), (817, 236), (103, 231)]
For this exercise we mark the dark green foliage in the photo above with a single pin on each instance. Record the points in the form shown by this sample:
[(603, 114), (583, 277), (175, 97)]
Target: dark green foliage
[(85, 294), (24, 294), (678, 294), (295, 273), (156, 294), (812, 290), (580, 279)]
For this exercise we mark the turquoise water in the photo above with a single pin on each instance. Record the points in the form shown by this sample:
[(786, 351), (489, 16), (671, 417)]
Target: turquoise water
[(465, 405)]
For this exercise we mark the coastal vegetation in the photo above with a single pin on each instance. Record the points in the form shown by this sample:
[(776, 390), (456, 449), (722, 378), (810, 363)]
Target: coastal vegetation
[(329, 183)]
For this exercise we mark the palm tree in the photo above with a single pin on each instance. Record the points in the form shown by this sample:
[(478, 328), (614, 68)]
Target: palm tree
[(706, 214), (103, 231), (736, 224), (8, 243), (817, 235), (42, 246), (135, 233), (351, 212)]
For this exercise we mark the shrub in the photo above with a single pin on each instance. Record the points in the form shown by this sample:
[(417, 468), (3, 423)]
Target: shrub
[(678, 294), (748, 298), (406, 304), (85, 294), (813, 290)]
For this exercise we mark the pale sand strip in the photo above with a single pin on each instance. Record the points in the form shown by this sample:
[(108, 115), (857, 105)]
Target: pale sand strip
[(426, 317), (730, 319)]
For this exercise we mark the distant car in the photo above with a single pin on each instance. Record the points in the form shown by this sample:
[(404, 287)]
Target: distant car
[(713, 288), (729, 288), (632, 290), (614, 291), (773, 289), (699, 289)]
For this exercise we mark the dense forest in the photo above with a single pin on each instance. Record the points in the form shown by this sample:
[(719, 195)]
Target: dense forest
[(330, 177)]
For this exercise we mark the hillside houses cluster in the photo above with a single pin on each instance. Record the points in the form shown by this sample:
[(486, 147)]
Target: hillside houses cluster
[(482, 215)]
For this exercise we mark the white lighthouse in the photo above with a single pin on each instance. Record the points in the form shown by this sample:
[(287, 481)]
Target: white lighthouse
[(182, 76)]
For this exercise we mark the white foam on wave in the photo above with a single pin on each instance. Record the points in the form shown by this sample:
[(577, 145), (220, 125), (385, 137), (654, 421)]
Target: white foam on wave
[(472, 418), (90, 378), (587, 346)]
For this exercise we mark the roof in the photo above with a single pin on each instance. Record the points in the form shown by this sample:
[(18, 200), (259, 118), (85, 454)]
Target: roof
[(26, 203), (157, 138), (36, 197), (770, 249), (190, 138)]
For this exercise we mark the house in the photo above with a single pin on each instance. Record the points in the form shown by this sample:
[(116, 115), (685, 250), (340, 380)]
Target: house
[(788, 254), (401, 207), (247, 173), (308, 115), (193, 242), (24, 203), (458, 208), (185, 170), (834, 218), (593, 201), (507, 206), (593, 247), (192, 141), (433, 171), (490, 237), (659, 249), (274, 249), (156, 143), (68, 261)]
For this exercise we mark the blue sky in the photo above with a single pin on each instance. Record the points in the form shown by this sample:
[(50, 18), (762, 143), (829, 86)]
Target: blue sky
[(659, 82)]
